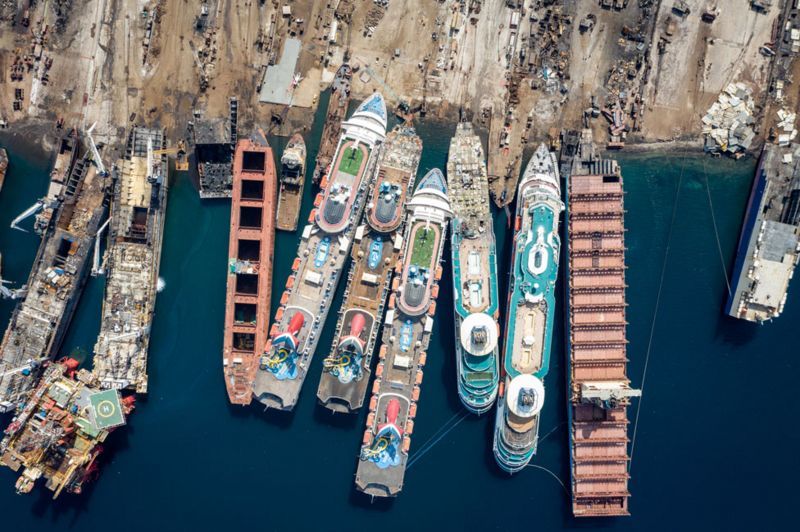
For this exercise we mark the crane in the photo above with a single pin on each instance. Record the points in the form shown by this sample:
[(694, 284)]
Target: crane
[(98, 162), (24, 369), (179, 151)]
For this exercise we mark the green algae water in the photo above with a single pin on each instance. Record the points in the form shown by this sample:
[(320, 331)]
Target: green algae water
[(713, 447)]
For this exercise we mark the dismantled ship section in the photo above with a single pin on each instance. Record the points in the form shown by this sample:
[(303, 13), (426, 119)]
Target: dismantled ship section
[(135, 238), (599, 389), (78, 206)]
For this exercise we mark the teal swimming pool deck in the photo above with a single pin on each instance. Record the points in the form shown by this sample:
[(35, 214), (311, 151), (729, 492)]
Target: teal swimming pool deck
[(526, 284)]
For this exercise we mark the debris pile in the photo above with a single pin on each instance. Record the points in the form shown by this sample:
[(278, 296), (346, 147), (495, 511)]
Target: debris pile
[(728, 124), (786, 130), (374, 16)]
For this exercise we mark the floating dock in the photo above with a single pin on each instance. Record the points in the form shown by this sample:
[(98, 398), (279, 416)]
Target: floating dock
[(250, 257), (324, 246), (599, 389), (134, 254), (292, 183), (407, 333), (769, 244), (378, 240), (58, 434), (41, 318), (331, 131), (530, 313)]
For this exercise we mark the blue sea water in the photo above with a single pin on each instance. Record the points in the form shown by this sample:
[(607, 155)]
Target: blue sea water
[(713, 449)]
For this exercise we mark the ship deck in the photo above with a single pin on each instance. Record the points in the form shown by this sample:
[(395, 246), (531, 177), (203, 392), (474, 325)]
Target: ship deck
[(290, 193), (59, 272), (597, 342), (337, 109), (366, 293), (422, 247), (250, 251), (349, 171), (137, 226)]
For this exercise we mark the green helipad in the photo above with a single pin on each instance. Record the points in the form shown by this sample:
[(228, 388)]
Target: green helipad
[(107, 409), (351, 161)]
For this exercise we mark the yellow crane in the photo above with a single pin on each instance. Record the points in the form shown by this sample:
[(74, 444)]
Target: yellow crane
[(179, 151)]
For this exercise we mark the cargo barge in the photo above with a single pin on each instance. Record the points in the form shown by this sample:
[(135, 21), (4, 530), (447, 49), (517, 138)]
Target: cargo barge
[(58, 434), (599, 391), (769, 243), (292, 183), (250, 259), (531, 312), (42, 316), (474, 254), (347, 369), (135, 238), (324, 246), (331, 131), (406, 335)]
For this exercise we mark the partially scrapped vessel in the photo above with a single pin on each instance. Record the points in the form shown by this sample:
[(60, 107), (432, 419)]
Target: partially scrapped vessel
[(348, 367), (331, 131), (324, 246), (250, 256), (530, 313), (41, 318), (406, 334), (58, 434), (474, 254), (62, 169), (136, 232), (598, 387), (3, 166), (292, 182), (769, 243)]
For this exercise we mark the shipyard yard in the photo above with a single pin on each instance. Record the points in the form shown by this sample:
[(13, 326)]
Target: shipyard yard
[(530, 248)]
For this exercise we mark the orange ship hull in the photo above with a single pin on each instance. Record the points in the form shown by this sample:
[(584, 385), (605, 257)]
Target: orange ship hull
[(250, 254)]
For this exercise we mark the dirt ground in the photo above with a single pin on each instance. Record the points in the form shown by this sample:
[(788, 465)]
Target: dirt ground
[(439, 52), (700, 61)]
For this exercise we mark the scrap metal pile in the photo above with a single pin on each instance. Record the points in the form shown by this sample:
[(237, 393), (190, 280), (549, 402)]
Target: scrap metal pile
[(728, 124)]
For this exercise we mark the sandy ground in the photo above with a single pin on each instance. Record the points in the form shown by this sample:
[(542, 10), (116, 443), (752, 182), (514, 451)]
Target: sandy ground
[(103, 73), (700, 61)]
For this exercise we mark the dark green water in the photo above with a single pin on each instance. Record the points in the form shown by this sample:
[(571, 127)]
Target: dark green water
[(713, 450)]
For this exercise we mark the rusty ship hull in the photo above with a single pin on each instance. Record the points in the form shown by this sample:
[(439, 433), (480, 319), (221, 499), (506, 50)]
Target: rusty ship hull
[(324, 246), (407, 332), (337, 109), (347, 369), (599, 390), (41, 318), (250, 259), (3, 166), (292, 183)]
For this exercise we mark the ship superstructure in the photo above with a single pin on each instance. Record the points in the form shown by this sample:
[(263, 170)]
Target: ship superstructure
[(378, 239), (407, 332), (530, 313), (136, 231), (250, 258), (57, 435), (41, 318), (474, 254), (324, 246), (331, 131), (598, 387), (769, 244), (292, 182)]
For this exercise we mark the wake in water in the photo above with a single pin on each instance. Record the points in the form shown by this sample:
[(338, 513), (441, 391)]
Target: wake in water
[(161, 284)]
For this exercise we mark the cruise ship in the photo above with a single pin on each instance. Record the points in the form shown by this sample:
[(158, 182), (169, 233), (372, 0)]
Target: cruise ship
[(378, 239), (250, 252), (406, 334), (474, 253), (292, 183), (324, 246), (530, 313)]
